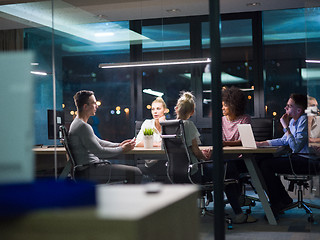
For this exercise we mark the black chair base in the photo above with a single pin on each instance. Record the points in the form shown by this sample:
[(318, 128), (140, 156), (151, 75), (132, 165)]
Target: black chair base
[(302, 204)]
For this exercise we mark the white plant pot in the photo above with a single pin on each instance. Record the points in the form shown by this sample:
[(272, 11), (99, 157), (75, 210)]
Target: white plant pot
[(148, 141)]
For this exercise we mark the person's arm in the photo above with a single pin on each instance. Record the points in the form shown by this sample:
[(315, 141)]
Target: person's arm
[(263, 143), (105, 143), (298, 137), (197, 152), (314, 140), (89, 140)]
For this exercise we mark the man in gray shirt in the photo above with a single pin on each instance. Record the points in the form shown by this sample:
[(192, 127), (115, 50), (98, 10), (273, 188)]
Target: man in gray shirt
[(88, 149)]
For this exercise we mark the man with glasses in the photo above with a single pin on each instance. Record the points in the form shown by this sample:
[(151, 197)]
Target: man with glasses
[(88, 149), (295, 127)]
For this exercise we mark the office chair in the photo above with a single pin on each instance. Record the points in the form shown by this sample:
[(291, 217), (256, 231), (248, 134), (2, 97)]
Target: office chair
[(137, 128), (72, 163), (301, 181), (179, 162)]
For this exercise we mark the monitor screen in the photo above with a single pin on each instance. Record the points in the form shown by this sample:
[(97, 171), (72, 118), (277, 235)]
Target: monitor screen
[(60, 121)]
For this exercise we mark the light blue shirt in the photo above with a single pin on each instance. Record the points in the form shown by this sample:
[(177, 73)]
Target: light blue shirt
[(298, 139)]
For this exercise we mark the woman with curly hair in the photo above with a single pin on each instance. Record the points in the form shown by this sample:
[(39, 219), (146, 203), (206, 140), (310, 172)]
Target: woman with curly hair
[(233, 108)]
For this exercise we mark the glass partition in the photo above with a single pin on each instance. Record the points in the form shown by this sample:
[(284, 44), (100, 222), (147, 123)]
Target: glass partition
[(311, 75), (237, 60), (284, 43)]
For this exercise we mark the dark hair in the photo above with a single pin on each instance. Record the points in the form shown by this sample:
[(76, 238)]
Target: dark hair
[(81, 98), (301, 100), (235, 99)]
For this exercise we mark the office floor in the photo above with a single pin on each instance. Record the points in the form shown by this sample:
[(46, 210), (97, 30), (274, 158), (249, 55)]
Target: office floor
[(292, 225)]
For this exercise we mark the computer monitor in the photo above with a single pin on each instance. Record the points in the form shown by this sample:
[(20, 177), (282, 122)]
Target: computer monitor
[(60, 121)]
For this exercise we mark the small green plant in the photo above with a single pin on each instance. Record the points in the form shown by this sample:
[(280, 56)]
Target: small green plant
[(148, 131)]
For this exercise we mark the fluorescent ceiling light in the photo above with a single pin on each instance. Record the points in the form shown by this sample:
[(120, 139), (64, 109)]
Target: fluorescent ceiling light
[(152, 92), (155, 63), (68, 19), (39, 73), (312, 61)]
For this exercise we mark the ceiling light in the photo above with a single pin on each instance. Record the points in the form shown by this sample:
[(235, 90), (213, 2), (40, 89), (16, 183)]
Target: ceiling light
[(173, 10), (155, 63), (253, 4), (312, 61), (152, 92), (39, 73)]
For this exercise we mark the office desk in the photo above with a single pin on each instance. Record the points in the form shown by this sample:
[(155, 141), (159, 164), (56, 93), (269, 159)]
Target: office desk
[(249, 159), (248, 154), (44, 160), (48, 150), (123, 212)]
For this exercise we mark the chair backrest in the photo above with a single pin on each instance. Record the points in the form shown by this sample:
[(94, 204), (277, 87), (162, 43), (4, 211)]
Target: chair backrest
[(263, 128), (65, 141), (138, 125), (173, 140)]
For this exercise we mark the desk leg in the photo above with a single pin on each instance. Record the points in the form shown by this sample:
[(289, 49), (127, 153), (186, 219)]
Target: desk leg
[(257, 183)]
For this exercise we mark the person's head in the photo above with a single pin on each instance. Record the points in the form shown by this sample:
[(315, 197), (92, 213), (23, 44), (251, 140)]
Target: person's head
[(185, 106), (158, 108), (296, 105), (312, 102), (85, 100), (233, 101)]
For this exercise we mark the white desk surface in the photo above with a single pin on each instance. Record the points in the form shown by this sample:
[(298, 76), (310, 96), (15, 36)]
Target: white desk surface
[(132, 202)]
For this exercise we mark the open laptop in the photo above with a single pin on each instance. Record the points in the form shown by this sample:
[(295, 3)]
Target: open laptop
[(247, 137)]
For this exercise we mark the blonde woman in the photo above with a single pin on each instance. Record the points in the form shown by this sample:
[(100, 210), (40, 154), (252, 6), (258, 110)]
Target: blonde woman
[(184, 110), (158, 111), (153, 169)]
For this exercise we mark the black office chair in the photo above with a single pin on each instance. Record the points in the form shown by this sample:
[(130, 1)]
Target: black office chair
[(179, 162), (138, 125), (301, 181), (263, 128), (72, 165)]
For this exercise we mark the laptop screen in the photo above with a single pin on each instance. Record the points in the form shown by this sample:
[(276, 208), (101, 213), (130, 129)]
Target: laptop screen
[(246, 136)]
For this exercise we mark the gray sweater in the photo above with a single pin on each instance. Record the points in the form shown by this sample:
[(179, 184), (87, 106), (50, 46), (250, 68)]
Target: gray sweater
[(86, 146)]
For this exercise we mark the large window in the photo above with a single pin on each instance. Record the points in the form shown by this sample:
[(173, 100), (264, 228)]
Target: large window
[(237, 60)]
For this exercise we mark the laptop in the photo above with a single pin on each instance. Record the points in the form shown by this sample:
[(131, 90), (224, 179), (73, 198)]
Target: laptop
[(247, 137)]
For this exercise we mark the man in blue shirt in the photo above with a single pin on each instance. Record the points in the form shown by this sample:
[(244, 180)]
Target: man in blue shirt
[(295, 127)]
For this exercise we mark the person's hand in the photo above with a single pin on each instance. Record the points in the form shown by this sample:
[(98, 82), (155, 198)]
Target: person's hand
[(207, 153), (131, 141), (126, 147), (284, 120), (261, 144)]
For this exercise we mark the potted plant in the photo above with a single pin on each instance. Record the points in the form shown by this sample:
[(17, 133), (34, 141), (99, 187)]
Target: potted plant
[(148, 137)]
